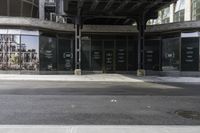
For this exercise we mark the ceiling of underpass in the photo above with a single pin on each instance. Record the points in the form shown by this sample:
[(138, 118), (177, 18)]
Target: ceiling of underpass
[(115, 12)]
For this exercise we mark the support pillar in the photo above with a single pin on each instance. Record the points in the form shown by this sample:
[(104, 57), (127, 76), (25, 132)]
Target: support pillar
[(171, 16), (141, 24), (41, 9), (60, 7), (188, 10), (77, 46)]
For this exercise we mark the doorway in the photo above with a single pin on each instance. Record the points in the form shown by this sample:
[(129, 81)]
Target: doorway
[(108, 60)]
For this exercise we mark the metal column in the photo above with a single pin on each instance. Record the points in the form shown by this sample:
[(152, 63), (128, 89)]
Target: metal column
[(77, 46), (141, 24)]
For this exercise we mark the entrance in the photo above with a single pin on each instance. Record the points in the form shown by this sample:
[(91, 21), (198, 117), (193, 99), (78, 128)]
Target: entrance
[(108, 61), (65, 55), (170, 54)]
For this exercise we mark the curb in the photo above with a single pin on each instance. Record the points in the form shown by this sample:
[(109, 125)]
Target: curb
[(100, 129)]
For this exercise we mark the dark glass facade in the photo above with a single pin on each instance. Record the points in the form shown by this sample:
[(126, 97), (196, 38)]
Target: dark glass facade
[(152, 54), (56, 53), (109, 53), (190, 54), (48, 53), (171, 54), (65, 54), (34, 51), (22, 8)]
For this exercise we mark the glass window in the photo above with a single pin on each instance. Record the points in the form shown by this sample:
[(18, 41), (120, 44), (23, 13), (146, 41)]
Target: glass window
[(15, 7), (152, 55), (27, 9), (190, 54), (29, 53), (65, 55), (170, 54), (97, 54), (48, 56), (132, 54), (195, 9), (9, 52), (180, 5), (86, 53), (3, 9), (121, 54), (179, 11), (165, 14)]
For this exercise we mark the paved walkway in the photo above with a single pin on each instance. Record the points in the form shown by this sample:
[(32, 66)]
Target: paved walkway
[(99, 129), (99, 77)]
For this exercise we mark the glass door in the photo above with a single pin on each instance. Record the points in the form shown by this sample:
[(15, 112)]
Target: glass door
[(108, 61), (171, 54)]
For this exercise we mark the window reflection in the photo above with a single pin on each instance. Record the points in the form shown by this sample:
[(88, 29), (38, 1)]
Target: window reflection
[(9, 52), (65, 55), (48, 54), (171, 54), (179, 11), (195, 9), (29, 52)]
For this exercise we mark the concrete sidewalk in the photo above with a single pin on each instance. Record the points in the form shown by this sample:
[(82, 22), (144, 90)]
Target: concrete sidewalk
[(99, 129), (99, 78)]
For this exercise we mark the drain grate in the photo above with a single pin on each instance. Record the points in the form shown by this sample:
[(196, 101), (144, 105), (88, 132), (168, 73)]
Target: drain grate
[(188, 114)]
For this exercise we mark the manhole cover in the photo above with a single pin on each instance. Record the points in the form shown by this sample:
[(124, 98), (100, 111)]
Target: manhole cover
[(188, 114)]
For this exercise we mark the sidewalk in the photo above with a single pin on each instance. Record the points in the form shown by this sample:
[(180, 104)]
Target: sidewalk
[(99, 78), (99, 129)]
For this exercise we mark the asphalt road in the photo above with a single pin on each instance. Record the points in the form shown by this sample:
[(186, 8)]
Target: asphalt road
[(98, 103)]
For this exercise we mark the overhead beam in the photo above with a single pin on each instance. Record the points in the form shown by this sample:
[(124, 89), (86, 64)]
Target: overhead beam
[(94, 5), (108, 5), (126, 21), (153, 4), (117, 21), (136, 6), (122, 5)]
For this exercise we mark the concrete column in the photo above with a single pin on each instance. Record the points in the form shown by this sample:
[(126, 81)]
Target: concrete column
[(171, 12), (41, 9), (60, 7), (188, 10)]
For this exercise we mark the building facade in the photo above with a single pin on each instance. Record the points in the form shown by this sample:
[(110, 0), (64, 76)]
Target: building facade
[(39, 37)]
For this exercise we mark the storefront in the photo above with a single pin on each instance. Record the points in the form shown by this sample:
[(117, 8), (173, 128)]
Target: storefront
[(40, 52), (109, 53), (19, 50), (27, 51), (181, 53)]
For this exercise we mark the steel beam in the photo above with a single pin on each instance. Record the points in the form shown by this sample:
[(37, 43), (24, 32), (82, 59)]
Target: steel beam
[(135, 6), (141, 23), (94, 5), (122, 5), (108, 5), (77, 43), (126, 21)]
